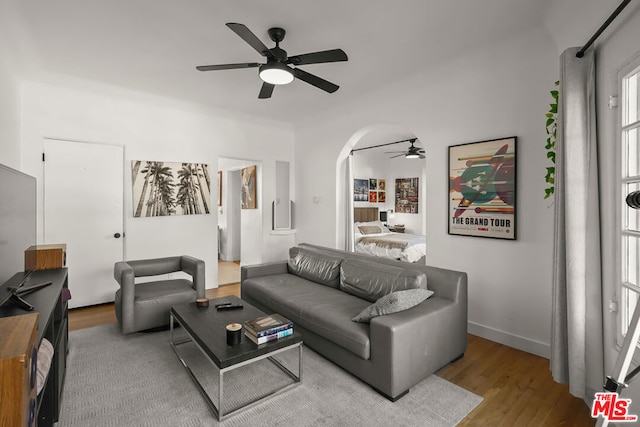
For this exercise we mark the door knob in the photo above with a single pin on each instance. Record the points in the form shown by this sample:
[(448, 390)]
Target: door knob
[(117, 235)]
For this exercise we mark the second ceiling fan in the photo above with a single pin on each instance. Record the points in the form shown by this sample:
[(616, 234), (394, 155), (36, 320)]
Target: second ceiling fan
[(412, 153), (277, 69)]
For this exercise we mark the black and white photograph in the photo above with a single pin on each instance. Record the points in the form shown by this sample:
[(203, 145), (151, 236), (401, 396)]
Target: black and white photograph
[(170, 188)]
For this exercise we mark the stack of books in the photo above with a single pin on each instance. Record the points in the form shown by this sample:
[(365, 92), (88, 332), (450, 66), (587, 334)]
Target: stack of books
[(268, 328)]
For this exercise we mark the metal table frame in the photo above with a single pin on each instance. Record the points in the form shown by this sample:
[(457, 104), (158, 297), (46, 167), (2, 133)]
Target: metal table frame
[(217, 410)]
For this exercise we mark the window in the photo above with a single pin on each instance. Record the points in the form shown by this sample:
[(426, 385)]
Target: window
[(630, 233)]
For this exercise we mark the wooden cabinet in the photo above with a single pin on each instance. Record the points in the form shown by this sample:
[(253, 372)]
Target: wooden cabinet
[(51, 307), (18, 363), (45, 257)]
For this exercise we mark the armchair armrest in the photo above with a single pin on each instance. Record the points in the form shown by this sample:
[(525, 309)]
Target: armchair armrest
[(196, 268), (125, 276), (266, 269)]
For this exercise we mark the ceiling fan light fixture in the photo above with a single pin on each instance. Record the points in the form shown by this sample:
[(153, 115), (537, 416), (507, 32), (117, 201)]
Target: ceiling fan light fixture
[(276, 73), (412, 156)]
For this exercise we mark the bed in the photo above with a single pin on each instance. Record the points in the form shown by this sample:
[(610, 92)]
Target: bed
[(373, 238)]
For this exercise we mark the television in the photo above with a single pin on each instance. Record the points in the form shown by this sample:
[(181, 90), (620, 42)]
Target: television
[(18, 232)]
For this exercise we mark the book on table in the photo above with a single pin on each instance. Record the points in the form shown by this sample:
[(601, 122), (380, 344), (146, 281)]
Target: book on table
[(267, 325), (268, 338)]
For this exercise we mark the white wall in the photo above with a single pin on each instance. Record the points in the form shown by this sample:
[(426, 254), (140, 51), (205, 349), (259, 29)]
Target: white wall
[(9, 116), (153, 128), (9, 96), (500, 91)]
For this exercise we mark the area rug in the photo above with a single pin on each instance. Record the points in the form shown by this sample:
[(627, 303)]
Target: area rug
[(137, 380)]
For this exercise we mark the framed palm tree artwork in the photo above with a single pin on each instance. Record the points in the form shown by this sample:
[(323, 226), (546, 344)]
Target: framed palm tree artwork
[(170, 188)]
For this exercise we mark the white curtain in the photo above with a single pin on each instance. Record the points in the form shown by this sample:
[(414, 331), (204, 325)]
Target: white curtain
[(576, 338), (349, 243)]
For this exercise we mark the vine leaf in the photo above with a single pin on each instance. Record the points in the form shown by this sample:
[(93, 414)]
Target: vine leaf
[(551, 126)]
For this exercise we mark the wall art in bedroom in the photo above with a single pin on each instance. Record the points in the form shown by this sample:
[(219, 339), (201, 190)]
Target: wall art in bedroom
[(170, 188), (382, 197), (407, 195), (382, 184), (373, 196), (482, 189), (360, 190), (249, 188)]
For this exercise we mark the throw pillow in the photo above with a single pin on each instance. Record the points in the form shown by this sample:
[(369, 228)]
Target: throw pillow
[(317, 267), (393, 303)]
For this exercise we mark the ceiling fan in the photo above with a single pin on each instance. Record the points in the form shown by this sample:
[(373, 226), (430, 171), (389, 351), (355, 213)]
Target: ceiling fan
[(277, 70), (412, 153)]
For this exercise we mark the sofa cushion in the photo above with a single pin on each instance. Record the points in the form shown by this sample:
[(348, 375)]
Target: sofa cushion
[(393, 303), (317, 267), (372, 281), (323, 310)]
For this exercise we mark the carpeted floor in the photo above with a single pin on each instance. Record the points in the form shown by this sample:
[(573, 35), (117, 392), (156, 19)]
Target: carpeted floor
[(137, 380)]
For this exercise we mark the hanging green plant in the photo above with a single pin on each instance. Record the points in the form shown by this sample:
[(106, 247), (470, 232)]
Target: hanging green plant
[(552, 128)]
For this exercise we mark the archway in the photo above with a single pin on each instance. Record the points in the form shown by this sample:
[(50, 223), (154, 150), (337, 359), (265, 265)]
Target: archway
[(368, 136)]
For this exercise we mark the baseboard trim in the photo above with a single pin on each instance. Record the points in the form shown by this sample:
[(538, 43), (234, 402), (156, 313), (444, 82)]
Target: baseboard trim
[(521, 343)]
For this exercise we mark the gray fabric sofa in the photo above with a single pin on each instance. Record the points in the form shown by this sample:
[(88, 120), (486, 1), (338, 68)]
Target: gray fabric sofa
[(142, 306), (391, 353)]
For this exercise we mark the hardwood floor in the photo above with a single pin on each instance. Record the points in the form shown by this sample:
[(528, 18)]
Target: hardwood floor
[(517, 387)]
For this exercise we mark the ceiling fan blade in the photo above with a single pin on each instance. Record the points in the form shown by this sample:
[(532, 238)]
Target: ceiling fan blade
[(393, 157), (227, 66), (251, 39), (315, 80), (333, 55), (421, 156), (393, 152), (266, 90)]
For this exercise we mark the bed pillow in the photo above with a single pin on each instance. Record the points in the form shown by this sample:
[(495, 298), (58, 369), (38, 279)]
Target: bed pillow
[(317, 267), (371, 281), (393, 303), (371, 227)]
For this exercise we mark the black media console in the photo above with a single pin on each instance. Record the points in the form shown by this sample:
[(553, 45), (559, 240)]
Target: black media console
[(50, 302)]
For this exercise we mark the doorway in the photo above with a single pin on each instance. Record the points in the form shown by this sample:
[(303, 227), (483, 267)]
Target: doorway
[(239, 230), (346, 175)]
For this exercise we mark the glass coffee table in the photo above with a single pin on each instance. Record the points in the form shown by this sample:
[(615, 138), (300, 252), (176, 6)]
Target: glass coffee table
[(206, 328)]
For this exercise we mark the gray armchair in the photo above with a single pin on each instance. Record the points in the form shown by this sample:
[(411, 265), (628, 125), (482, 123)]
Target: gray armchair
[(141, 306)]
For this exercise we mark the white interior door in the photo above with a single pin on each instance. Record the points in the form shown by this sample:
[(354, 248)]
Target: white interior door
[(83, 207)]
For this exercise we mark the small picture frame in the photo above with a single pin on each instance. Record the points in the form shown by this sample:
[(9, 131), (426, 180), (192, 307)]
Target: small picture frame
[(360, 190)]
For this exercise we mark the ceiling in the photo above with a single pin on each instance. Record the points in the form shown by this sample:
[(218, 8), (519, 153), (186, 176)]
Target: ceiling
[(155, 45)]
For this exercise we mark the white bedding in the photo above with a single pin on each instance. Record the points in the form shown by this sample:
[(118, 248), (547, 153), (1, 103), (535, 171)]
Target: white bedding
[(415, 249)]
